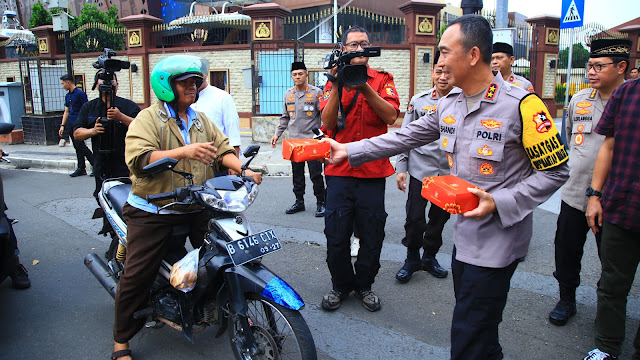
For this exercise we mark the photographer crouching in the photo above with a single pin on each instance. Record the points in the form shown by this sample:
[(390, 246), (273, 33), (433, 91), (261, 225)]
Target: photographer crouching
[(105, 120), (358, 103)]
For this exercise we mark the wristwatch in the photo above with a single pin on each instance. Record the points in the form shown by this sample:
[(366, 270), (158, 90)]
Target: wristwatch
[(592, 192)]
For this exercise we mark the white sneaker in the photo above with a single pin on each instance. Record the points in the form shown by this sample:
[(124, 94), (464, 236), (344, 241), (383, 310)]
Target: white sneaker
[(62, 143), (597, 354), (355, 247)]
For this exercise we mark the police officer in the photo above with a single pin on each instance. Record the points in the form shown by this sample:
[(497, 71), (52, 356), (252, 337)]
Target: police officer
[(419, 163), (501, 60), (605, 71), (300, 114), (503, 140)]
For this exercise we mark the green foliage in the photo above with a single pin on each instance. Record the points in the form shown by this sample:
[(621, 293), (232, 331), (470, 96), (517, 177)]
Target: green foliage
[(443, 27), (39, 16), (560, 91), (579, 57), (92, 39)]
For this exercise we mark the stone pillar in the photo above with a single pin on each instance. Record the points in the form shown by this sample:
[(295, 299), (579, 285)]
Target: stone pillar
[(46, 40), (634, 35), (3, 49), (140, 38), (421, 34), (267, 21), (544, 61)]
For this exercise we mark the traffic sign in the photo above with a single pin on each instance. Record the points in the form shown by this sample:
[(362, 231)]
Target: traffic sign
[(572, 14)]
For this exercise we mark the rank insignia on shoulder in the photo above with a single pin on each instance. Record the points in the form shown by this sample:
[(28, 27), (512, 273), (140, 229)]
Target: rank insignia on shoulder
[(434, 94), (511, 79), (594, 92), (491, 91)]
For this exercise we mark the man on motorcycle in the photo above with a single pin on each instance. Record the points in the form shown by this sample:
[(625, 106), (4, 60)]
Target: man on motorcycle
[(168, 128)]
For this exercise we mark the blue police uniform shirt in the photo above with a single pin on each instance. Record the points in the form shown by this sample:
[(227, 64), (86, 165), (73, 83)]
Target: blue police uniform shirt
[(74, 101)]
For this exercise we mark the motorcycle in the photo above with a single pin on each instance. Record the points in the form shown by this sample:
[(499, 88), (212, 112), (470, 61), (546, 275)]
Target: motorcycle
[(232, 290), (7, 246)]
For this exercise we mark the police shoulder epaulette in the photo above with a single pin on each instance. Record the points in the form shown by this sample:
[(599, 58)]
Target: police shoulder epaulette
[(454, 92), (594, 93), (515, 91), (421, 94)]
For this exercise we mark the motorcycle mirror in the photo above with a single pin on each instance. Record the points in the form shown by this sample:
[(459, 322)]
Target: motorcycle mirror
[(161, 165), (251, 150), (6, 128)]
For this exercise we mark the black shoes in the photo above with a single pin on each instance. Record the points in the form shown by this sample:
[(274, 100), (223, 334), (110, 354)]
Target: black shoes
[(78, 172), (562, 312), (410, 266), (320, 209), (296, 207), (20, 278), (333, 299), (431, 265)]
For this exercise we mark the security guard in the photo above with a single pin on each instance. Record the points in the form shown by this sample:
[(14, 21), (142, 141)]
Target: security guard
[(605, 71), (423, 162), (503, 140), (501, 60), (300, 114)]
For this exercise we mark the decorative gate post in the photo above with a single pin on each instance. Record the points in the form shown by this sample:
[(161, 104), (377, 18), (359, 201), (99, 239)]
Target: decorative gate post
[(139, 40), (46, 40), (422, 35), (634, 35), (544, 61)]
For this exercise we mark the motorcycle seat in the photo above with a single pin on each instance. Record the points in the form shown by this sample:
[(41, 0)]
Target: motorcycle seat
[(118, 196)]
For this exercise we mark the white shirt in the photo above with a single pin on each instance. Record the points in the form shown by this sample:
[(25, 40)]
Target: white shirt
[(219, 107)]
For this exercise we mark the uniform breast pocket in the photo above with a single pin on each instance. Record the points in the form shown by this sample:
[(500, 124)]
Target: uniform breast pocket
[(487, 158), (578, 133)]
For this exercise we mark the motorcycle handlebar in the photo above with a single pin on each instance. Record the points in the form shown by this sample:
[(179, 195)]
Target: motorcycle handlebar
[(162, 196)]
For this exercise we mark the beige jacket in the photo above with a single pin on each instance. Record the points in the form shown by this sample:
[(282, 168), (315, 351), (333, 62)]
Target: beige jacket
[(153, 130)]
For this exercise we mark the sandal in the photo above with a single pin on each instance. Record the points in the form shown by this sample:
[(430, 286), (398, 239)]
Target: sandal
[(120, 353)]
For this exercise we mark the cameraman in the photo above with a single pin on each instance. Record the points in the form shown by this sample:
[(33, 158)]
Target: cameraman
[(356, 195), (107, 135)]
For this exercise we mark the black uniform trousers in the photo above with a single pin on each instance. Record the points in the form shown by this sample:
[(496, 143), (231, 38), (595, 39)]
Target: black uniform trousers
[(82, 151), (571, 235), (361, 202), (315, 173), (419, 233), (149, 240), (481, 294)]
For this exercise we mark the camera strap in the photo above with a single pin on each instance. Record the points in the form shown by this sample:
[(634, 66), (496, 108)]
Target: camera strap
[(342, 118)]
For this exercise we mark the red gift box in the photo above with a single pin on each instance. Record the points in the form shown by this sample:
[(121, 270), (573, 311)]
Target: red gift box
[(449, 193), (300, 150)]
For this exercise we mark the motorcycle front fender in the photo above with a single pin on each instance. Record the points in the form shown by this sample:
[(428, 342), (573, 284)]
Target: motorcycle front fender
[(256, 278)]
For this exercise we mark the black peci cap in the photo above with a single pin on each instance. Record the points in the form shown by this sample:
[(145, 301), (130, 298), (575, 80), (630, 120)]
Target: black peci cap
[(610, 48), (298, 65), (503, 48)]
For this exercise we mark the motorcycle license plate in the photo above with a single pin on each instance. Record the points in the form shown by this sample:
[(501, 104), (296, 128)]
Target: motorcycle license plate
[(253, 246)]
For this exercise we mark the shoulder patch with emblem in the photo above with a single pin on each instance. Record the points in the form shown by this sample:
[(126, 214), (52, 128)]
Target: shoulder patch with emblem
[(410, 109), (540, 137)]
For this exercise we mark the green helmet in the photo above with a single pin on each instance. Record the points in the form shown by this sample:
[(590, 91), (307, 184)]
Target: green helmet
[(169, 68)]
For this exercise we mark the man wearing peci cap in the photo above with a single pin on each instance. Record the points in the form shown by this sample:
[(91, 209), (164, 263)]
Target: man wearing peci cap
[(605, 71), (501, 60), (300, 114)]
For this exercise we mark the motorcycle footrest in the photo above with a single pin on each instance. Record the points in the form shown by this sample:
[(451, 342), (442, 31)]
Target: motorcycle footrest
[(144, 313)]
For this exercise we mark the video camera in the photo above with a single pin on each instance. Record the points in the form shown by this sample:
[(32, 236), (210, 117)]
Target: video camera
[(108, 64), (349, 74)]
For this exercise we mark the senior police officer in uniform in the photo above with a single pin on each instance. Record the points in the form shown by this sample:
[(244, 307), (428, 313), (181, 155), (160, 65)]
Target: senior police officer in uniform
[(300, 114), (605, 71), (501, 60), (419, 163), (503, 140)]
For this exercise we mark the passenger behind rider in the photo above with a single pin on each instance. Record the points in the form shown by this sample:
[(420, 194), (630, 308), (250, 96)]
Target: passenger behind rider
[(168, 128)]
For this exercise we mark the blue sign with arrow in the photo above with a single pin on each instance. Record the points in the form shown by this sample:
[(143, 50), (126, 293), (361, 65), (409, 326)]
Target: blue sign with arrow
[(572, 14)]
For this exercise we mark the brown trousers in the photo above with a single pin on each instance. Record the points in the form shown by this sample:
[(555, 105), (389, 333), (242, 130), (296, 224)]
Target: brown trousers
[(148, 240)]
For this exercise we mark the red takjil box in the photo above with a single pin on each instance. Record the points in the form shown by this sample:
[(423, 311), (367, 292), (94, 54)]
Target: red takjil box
[(300, 150), (449, 193)]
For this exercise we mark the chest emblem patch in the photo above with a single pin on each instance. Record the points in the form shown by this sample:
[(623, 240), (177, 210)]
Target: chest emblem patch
[(583, 104), (485, 151), (309, 113), (543, 124), (583, 111), (449, 120), (491, 124), (580, 127), (450, 160), (445, 142), (486, 169), (579, 139), (291, 113)]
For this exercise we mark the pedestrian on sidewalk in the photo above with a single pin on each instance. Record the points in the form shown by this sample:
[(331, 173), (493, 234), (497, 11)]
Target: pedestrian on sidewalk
[(300, 114), (73, 101), (425, 161), (605, 71)]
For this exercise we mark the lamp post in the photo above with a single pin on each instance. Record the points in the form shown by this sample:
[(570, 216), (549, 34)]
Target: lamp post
[(61, 23)]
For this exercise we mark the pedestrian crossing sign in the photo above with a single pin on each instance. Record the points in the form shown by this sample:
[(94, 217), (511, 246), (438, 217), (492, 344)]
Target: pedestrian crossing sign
[(572, 14)]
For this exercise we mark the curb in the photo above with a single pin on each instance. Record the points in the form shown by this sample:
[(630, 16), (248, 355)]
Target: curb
[(39, 164)]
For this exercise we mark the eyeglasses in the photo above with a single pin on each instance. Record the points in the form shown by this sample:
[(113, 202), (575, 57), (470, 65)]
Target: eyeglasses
[(596, 67), (354, 45)]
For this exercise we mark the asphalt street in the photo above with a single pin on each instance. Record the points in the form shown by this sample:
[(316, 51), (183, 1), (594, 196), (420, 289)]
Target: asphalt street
[(66, 314)]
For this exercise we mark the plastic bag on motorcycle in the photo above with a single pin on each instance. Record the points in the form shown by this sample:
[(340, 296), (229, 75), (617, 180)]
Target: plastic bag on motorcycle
[(184, 273)]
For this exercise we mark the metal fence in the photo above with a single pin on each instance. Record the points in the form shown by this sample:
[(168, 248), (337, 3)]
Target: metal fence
[(93, 37), (232, 32), (581, 42), (40, 79), (270, 70)]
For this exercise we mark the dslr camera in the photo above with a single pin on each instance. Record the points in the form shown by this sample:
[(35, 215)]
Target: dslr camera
[(349, 74)]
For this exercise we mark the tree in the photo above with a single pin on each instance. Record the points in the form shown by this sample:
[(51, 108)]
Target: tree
[(579, 57), (39, 16), (92, 39)]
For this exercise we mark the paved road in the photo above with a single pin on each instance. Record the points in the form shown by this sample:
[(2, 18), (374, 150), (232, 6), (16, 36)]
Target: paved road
[(67, 315)]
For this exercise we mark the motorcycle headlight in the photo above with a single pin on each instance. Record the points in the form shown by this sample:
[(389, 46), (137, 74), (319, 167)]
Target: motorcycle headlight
[(232, 201)]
